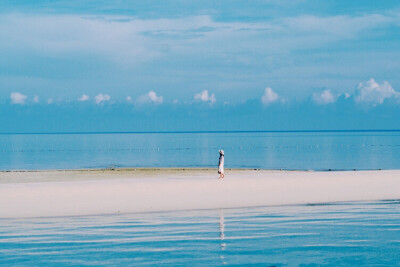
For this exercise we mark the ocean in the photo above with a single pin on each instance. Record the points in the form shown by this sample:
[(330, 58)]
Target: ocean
[(343, 150), (328, 234)]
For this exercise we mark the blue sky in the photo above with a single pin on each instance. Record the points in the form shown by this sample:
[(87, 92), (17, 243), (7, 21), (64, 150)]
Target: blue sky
[(199, 65)]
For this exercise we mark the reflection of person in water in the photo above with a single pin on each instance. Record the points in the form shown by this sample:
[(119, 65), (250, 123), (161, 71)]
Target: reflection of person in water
[(222, 229), (222, 234)]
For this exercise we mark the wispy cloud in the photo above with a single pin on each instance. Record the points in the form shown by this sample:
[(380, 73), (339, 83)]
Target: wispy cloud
[(374, 93), (36, 99), (100, 98), (17, 98), (150, 97), (343, 26), (326, 97), (269, 96), (205, 97), (125, 37)]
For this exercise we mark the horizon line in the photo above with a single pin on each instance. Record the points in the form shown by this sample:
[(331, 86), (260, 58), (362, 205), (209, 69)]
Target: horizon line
[(220, 131)]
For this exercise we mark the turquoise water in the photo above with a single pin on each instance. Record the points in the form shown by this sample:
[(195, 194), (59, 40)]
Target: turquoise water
[(340, 234), (265, 150)]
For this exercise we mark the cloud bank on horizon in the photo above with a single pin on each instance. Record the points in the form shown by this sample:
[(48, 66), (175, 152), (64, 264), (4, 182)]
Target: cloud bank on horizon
[(368, 93), (278, 54)]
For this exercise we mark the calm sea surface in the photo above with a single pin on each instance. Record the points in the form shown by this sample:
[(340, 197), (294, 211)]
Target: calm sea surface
[(266, 150), (341, 234)]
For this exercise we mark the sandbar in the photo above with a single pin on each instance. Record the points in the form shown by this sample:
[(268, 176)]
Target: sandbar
[(51, 193)]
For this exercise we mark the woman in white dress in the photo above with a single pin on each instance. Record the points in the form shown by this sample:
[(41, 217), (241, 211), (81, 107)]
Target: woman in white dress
[(221, 164)]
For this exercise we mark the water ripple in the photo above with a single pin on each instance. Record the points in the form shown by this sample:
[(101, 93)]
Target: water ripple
[(356, 233)]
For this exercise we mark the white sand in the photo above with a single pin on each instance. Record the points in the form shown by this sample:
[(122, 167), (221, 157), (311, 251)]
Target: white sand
[(67, 193)]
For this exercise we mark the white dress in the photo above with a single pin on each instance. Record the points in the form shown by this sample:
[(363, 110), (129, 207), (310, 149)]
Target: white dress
[(221, 164)]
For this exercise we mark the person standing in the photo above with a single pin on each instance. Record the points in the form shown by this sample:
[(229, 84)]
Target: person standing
[(221, 164)]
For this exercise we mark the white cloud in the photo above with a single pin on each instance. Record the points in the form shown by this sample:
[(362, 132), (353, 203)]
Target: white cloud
[(36, 99), (83, 98), (129, 98), (100, 98), (176, 101), (17, 98), (150, 97), (205, 97), (269, 96), (153, 97), (323, 98), (373, 93), (49, 101)]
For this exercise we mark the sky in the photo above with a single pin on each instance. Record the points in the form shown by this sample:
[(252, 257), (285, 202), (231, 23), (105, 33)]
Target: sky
[(78, 66)]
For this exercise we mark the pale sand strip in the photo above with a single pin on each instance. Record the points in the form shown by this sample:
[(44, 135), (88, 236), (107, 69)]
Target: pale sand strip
[(67, 193)]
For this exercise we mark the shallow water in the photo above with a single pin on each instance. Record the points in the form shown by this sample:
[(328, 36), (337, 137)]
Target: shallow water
[(265, 150), (340, 234)]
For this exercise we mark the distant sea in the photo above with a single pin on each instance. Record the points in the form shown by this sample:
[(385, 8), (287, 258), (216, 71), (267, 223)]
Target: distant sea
[(300, 150)]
